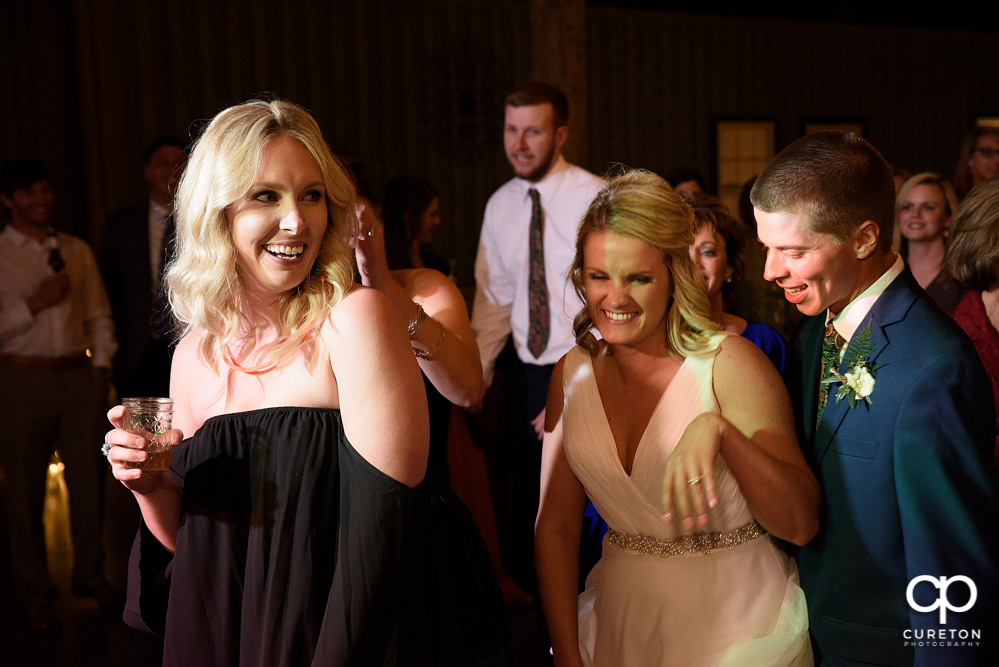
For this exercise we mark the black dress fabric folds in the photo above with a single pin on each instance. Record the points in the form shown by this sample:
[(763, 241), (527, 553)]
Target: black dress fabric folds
[(293, 550), (468, 625)]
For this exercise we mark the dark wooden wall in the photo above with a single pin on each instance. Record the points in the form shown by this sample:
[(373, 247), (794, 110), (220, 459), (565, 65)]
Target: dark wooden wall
[(658, 82), (417, 87)]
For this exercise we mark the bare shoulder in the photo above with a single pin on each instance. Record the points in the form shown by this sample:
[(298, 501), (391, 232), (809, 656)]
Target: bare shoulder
[(738, 361), (187, 354), (361, 312), (748, 388), (428, 285)]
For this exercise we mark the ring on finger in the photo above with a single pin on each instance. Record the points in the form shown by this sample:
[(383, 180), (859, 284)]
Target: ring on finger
[(694, 480), (106, 447)]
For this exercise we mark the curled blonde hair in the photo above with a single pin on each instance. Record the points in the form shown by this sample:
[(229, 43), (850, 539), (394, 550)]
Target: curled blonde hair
[(203, 281), (642, 205)]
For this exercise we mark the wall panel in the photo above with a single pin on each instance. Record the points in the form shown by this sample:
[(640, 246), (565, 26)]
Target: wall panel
[(917, 89)]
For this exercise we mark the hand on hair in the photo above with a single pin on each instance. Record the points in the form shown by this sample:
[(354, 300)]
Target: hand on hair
[(369, 250)]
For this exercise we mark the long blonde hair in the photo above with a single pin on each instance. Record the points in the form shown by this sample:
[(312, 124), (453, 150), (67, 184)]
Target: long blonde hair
[(642, 205), (203, 282)]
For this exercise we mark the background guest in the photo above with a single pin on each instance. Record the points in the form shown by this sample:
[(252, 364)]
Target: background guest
[(978, 159), (131, 261), (973, 260), (411, 209), (686, 182), (718, 252), (923, 209), (525, 249), (470, 625), (56, 345)]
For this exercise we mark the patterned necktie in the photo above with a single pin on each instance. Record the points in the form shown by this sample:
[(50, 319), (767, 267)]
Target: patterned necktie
[(537, 290), (832, 343)]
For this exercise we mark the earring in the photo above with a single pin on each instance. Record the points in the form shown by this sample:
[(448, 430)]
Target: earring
[(315, 272), (946, 232), (729, 279)]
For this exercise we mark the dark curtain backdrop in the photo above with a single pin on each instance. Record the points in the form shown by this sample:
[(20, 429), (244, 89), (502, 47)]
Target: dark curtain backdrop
[(417, 87)]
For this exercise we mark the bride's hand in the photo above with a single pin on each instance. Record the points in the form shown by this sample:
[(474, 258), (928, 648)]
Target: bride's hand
[(125, 447), (689, 481)]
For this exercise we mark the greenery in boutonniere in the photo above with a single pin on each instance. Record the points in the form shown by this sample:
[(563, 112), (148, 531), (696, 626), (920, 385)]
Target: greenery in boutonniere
[(858, 381)]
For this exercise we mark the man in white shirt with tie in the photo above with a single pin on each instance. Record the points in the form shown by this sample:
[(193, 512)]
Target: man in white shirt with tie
[(526, 246), (56, 345)]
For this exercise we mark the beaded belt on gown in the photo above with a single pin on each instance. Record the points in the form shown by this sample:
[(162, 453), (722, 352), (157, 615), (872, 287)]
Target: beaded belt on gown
[(675, 546)]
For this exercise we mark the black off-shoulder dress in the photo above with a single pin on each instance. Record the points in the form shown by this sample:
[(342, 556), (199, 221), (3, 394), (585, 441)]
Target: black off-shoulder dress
[(293, 550)]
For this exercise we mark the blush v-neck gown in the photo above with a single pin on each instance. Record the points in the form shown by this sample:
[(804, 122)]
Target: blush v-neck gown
[(740, 606)]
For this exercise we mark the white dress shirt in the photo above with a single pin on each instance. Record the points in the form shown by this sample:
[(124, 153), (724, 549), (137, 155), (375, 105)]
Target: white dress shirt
[(80, 322), (850, 318), (502, 264)]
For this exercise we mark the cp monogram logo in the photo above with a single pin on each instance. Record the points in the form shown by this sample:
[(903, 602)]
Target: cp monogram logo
[(942, 602)]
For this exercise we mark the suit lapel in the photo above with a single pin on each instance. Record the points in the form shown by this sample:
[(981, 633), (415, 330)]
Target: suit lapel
[(890, 308)]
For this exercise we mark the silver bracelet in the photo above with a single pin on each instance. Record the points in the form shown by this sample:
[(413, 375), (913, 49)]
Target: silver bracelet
[(417, 321), (425, 354)]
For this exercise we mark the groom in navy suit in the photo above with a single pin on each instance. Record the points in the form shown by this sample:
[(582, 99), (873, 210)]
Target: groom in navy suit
[(895, 415)]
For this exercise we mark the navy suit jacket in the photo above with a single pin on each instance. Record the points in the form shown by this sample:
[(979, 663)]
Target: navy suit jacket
[(907, 490)]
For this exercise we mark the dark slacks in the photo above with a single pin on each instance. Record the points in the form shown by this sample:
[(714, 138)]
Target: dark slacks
[(42, 410)]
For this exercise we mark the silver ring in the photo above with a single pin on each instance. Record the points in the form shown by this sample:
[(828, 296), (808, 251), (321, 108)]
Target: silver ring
[(370, 233), (694, 480), (106, 447)]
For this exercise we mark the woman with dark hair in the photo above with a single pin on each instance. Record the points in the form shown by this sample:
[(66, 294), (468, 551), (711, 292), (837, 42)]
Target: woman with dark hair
[(469, 625), (978, 159), (718, 253), (412, 210), (973, 260)]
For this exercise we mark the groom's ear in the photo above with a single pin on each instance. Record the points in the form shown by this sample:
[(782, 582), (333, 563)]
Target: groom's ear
[(865, 239)]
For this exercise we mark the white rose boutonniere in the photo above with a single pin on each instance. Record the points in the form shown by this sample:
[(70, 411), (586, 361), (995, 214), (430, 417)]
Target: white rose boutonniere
[(860, 381), (857, 384)]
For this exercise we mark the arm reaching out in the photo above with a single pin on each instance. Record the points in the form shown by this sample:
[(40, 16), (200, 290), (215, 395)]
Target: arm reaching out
[(452, 357)]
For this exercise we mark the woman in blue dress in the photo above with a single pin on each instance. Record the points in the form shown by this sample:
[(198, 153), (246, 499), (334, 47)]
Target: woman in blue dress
[(717, 252)]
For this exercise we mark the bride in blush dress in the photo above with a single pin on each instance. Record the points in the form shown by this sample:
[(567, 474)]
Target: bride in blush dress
[(683, 438)]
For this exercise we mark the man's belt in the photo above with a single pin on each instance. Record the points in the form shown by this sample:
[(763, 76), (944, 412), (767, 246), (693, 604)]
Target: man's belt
[(48, 363)]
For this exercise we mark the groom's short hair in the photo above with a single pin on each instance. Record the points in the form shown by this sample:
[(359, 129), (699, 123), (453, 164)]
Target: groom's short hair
[(836, 179)]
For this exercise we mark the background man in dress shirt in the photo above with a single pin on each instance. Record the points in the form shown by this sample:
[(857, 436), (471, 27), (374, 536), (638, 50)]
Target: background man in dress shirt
[(511, 276), (907, 489), (131, 261), (56, 346)]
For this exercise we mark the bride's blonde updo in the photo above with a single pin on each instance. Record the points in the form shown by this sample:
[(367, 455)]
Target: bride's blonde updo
[(203, 283), (642, 205)]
